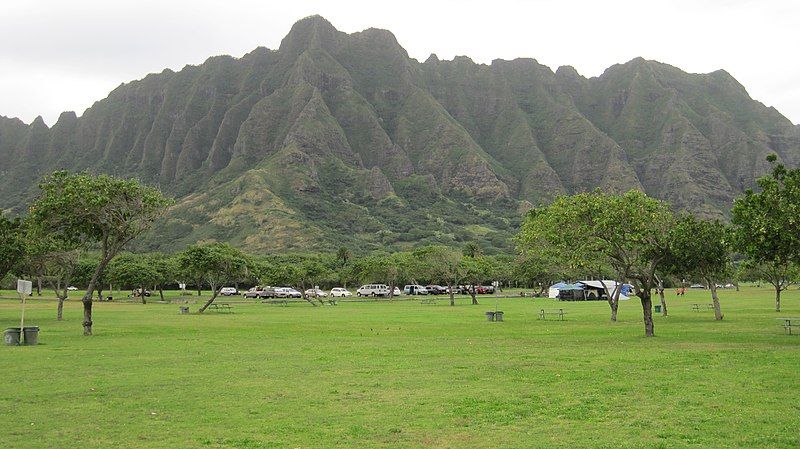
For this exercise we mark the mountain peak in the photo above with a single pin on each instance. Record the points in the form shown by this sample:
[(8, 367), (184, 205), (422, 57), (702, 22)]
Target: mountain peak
[(310, 32), (38, 122)]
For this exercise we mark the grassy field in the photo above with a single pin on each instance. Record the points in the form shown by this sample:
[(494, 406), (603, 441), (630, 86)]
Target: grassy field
[(405, 375)]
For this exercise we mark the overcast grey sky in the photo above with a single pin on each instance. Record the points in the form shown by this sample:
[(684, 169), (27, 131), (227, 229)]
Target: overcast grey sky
[(65, 55)]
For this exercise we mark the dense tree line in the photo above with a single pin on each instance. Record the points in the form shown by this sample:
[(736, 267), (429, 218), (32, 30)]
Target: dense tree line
[(80, 225)]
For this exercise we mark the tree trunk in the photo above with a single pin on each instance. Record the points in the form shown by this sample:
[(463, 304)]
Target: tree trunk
[(613, 298), (161, 292), (87, 316), (60, 313), (208, 303), (647, 312), (614, 307), (304, 296), (542, 290), (715, 300), (38, 286), (141, 293), (778, 298), (391, 291), (473, 294), (87, 298), (663, 299), (452, 295)]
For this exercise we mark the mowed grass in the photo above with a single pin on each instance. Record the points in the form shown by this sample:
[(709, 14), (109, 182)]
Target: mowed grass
[(405, 375)]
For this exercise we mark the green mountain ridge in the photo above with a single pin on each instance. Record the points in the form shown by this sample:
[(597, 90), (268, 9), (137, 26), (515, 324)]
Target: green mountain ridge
[(343, 139)]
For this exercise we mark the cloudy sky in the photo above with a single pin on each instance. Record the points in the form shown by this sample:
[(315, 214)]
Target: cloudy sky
[(64, 55)]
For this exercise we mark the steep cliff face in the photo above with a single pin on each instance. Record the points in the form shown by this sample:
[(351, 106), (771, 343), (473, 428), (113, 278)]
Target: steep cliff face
[(343, 139)]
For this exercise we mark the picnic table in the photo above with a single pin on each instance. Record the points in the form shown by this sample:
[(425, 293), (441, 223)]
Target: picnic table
[(790, 323), (329, 301), (543, 314), (699, 307), (275, 301), (221, 307), (428, 300)]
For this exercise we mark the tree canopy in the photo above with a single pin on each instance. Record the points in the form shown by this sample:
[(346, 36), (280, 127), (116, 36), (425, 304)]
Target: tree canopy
[(84, 209), (767, 222)]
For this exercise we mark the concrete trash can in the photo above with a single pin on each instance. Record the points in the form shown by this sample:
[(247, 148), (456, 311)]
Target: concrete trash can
[(657, 308), (498, 316), (489, 316), (31, 335), (184, 310), (11, 336)]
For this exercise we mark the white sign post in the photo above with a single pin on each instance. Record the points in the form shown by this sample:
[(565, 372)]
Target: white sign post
[(24, 288)]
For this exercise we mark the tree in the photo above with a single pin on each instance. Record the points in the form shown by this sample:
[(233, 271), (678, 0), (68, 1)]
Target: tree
[(308, 273), (780, 275), (700, 249), (475, 270), (572, 234), (626, 232), (12, 244), (388, 268), (766, 226), (133, 271), (440, 262), (166, 270), (534, 268), (214, 263), (53, 260), (86, 209)]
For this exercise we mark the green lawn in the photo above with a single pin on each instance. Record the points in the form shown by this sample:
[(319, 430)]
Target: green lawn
[(404, 374)]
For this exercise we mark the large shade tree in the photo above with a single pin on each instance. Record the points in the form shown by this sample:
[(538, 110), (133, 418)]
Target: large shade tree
[(215, 264), (627, 232), (440, 263), (96, 210), (767, 227), (53, 260), (389, 268), (133, 271), (700, 249)]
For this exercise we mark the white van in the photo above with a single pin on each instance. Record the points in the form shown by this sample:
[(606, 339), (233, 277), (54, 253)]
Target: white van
[(415, 290), (373, 290)]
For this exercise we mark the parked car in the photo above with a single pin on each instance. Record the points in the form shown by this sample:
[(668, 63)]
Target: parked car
[(260, 292), (228, 291), (287, 292), (396, 291), (415, 290), (436, 289), (697, 286), (340, 292), (373, 290), (316, 293), (137, 292), (72, 288), (488, 289)]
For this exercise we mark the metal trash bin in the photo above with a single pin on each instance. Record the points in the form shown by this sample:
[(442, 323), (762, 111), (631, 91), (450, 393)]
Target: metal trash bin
[(31, 335), (184, 310), (498, 316), (657, 308), (489, 316), (12, 336)]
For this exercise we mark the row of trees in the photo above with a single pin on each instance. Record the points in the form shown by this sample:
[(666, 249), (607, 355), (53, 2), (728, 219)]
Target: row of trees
[(629, 237), (638, 239)]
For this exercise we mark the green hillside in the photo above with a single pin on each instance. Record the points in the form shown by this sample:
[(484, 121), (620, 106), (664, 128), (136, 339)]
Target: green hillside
[(339, 138)]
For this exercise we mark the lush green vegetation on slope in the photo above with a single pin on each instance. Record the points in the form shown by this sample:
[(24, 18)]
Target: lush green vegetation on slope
[(312, 144)]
